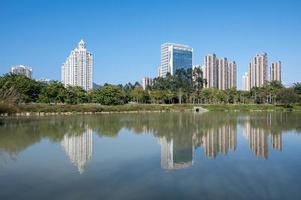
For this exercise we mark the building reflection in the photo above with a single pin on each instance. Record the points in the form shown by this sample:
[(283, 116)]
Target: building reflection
[(178, 151), (277, 141), (78, 148), (176, 154), (258, 139), (219, 141)]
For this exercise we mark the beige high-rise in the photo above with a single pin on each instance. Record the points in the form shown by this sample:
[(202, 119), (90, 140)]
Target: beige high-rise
[(275, 71), (232, 74), (258, 70), (223, 74), (211, 75), (219, 73)]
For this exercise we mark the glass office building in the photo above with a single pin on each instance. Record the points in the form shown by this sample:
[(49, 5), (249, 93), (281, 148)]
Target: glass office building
[(173, 57)]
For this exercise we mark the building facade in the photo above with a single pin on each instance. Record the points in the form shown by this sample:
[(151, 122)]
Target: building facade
[(223, 75), (219, 73), (22, 70), (258, 70), (245, 82), (78, 68), (275, 71), (211, 71), (232, 76), (173, 57), (146, 82)]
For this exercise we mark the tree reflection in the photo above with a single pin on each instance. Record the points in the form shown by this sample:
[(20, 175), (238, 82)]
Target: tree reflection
[(179, 134)]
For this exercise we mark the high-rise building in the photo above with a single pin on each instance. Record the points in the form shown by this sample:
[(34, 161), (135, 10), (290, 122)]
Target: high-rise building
[(173, 57), (223, 76), (21, 69), (232, 81), (219, 73), (245, 82), (146, 82), (258, 70), (78, 68), (275, 71), (211, 71)]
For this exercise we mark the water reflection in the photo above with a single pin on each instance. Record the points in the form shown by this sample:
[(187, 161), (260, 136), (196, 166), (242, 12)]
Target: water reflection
[(78, 148), (219, 140), (176, 154), (178, 134), (258, 137)]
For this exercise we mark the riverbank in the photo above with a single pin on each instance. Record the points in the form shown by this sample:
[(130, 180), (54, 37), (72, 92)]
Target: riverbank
[(49, 109)]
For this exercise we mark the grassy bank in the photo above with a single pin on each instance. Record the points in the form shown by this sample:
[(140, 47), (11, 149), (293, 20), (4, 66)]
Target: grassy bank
[(96, 108), (93, 108), (251, 107)]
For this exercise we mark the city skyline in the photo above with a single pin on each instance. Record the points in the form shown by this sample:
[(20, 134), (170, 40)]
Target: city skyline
[(129, 43)]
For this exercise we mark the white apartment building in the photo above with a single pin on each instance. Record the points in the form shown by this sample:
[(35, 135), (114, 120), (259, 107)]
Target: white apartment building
[(245, 82), (78, 68), (22, 69)]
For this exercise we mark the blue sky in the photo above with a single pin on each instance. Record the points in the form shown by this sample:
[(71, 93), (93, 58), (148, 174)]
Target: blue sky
[(125, 35)]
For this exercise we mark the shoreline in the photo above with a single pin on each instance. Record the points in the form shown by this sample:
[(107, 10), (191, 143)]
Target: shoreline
[(93, 109)]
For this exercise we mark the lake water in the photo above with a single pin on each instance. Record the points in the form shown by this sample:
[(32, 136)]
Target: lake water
[(214, 155)]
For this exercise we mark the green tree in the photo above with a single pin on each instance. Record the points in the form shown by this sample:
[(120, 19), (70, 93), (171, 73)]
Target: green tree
[(288, 96), (137, 94), (19, 89), (109, 95), (53, 93), (76, 95), (297, 87)]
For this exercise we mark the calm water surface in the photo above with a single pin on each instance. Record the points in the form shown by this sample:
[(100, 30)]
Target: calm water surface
[(152, 156)]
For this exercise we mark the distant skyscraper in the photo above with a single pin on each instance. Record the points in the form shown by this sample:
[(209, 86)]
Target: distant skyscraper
[(232, 80), (275, 71), (223, 76), (245, 82), (258, 70), (211, 71), (23, 70), (146, 81), (78, 68), (173, 57)]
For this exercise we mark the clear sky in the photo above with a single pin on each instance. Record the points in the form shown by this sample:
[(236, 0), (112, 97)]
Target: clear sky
[(125, 35)]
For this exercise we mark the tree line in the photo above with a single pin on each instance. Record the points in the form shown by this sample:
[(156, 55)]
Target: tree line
[(185, 86)]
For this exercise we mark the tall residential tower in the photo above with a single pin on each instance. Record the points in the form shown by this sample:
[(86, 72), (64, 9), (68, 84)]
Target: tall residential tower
[(78, 68), (219, 73), (275, 71), (258, 69)]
